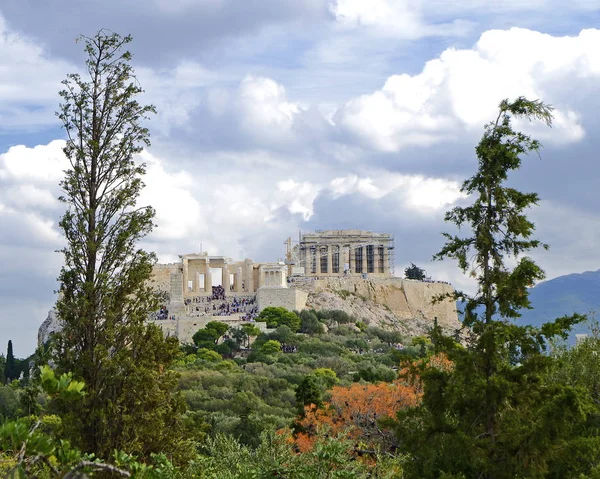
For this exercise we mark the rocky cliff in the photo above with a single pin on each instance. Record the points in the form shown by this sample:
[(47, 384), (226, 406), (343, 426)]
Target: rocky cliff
[(49, 326), (392, 303)]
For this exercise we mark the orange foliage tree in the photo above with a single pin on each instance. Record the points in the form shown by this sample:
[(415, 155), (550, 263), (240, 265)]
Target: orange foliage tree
[(357, 411)]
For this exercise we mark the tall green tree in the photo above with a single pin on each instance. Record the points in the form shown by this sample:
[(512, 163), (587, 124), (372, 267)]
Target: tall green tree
[(106, 296), (476, 418), (10, 366)]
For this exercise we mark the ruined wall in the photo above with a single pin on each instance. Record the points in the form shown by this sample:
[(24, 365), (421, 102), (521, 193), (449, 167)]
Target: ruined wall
[(288, 298), (161, 275)]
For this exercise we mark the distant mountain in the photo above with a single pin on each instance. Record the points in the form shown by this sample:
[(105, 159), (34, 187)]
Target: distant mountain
[(572, 293)]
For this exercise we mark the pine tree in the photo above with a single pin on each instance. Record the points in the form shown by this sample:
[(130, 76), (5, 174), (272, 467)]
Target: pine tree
[(10, 367), (476, 418), (414, 272), (130, 402)]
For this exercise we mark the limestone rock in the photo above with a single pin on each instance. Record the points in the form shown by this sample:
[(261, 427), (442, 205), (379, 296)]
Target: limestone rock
[(390, 303), (51, 325)]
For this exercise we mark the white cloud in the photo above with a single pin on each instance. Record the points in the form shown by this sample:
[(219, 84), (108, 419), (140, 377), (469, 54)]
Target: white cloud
[(572, 234), (42, 164), (259, 107), (298, 197), (29, 81), (177, 211), (415, 192), (397, 18), (458, 92), (176, 93), (414, 19)]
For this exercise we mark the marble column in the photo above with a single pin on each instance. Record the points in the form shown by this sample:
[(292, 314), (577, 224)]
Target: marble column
[(197, 283), (249, 276), (261, 277), (238, 280), (352, 259), (225, 278), (329, 259), (208, 278), (185, 276), (364, 259)]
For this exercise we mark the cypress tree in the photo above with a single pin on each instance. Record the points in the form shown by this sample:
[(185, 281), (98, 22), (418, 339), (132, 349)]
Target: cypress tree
[(130, 402), (10, 367)]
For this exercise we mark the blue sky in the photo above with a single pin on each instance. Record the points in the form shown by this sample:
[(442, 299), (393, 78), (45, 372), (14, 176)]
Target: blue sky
[(278, 116)]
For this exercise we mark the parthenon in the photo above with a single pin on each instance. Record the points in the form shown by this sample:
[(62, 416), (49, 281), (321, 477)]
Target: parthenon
[(342, 253)]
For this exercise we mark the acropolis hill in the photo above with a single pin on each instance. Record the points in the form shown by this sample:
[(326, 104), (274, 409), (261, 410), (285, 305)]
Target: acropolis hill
[(348, 270)]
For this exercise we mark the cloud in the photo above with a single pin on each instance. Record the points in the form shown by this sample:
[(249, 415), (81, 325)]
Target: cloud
[(163, 29), (397, 18), (415, 19), (572, 234), (43, 164), (29, 81), (415, 192), (258, 109), (175, 92), (458, 92)]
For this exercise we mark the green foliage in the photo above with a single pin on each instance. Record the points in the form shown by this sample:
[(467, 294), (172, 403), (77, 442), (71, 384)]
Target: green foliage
[(223, 457), (414, 272), (31, 449), (203, 336), (9, 402), (208, 355), (10, 368), (375, 373), (309, 392), (326, 376), (271, 347), (276, 316), (130, 401), (310, 323), (218, 326), (335, 317), (64, 385), (494, 413)]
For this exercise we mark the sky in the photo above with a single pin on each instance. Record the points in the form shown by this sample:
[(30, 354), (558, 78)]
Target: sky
[(280, 116)]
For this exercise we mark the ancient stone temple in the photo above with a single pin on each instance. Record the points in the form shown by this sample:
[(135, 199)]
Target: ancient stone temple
[(334, 253), (202, 288)]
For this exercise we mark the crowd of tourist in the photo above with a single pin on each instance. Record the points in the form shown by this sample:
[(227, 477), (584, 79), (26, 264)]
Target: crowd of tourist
[(288, 348), (218, 304), (163, 313), (218, 293)]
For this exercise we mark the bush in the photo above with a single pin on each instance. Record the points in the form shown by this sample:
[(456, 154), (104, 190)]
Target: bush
[(271, 347), (208, 355), (310, 324), (275, 316)]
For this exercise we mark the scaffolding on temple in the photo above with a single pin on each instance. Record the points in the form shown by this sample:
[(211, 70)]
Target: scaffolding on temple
[(391, 255), (321, 252)]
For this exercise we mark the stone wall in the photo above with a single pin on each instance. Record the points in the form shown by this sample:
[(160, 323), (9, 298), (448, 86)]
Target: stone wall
[(161, 276), (288, 298)]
